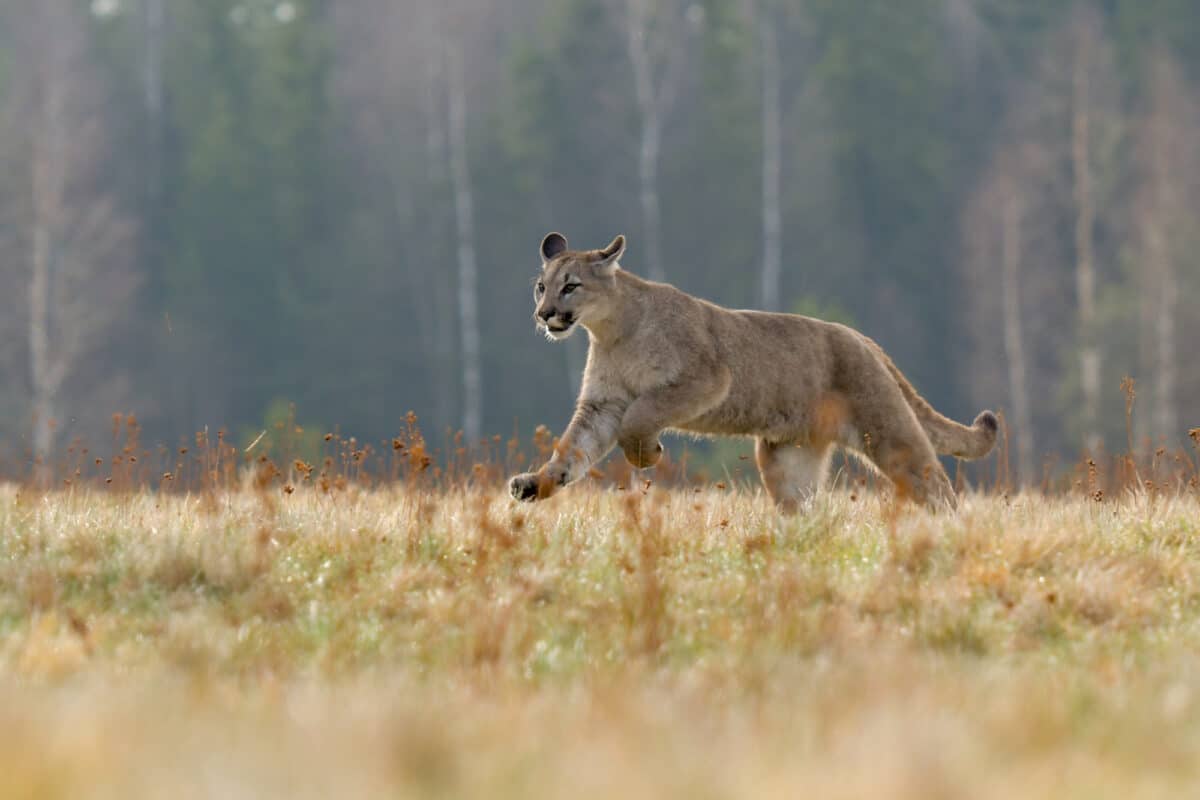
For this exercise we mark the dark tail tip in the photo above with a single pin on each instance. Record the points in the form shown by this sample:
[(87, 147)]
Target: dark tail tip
[(987, 420)]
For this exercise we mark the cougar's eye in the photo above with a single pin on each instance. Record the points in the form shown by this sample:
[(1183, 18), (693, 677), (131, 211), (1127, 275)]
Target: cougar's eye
[(570, 287), (541, 288)]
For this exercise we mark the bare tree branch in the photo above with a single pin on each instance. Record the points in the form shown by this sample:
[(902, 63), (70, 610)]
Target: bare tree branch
[(81, 282)]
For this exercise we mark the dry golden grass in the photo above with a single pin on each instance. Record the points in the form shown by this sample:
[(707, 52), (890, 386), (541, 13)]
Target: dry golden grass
[(390, 643)]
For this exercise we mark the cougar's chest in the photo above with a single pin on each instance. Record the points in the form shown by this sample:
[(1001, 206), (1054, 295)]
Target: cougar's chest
[(626, 371)]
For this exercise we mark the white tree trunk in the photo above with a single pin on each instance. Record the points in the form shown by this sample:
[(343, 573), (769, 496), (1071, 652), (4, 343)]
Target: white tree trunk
[(656, 54), (154, 23), (1010, 245), (39, 335), (1158, 285), (1085, 272), (80, 280), (435, 62), (648, 182), (48, 155), (1166, 420), (772, 167), (420, 265), (468, 316), (441, 302), (1169, 162), (651, 133)]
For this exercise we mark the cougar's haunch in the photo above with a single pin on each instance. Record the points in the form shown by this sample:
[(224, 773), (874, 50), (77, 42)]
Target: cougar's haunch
[(660, 359)]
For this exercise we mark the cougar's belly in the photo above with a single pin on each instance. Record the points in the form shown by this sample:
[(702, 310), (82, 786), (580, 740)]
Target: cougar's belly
[(773, 417)]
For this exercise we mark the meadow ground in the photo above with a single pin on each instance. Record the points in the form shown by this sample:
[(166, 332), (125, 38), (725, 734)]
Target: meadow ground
[(393, 643)]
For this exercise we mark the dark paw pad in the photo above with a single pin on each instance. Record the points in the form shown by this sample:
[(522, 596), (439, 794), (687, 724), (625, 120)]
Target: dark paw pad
[(525, 487)]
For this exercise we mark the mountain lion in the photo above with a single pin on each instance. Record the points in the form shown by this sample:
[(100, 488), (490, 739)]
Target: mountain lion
[(660, 359)]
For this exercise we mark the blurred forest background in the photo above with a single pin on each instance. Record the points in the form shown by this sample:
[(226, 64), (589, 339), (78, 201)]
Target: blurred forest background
[(210, 209)]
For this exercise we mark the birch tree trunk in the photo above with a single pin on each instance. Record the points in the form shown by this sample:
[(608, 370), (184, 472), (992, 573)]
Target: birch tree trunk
[(468, 316), (1166, 419), (657, 60), (44, 391), (1010, 256), (436, 312), (48, 161), (1085, 215), (1158, 288), (651, 133), (80, 278), (154, 23), (772, 166), (1144, 425), (1166, 151), (648, 183)]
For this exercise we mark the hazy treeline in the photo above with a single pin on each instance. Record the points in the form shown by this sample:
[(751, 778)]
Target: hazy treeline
[(210, 208)]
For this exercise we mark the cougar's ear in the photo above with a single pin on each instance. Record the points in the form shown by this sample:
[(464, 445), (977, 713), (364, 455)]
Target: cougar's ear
[(554, 245), (609, 256)]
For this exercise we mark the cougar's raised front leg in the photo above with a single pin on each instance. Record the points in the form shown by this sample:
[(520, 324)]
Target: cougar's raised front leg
[(667, 406), (589, 437)]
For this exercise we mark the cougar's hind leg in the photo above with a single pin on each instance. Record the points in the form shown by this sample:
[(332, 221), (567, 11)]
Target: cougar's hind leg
[(791, 473), (905, 455), (890, 435)]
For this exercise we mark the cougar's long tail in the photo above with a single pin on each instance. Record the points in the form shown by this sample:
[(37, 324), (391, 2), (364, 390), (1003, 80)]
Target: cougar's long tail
[(949, 438)]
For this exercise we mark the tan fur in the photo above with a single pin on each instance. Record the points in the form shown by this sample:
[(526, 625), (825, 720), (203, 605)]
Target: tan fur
[(660, 359)]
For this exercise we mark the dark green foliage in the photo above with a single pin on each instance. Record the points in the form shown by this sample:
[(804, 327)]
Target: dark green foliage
[(249, 227)]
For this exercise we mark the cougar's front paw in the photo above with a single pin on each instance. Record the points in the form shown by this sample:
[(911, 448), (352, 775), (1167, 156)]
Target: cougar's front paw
[(642, 453), (530, 486), (524, 487)]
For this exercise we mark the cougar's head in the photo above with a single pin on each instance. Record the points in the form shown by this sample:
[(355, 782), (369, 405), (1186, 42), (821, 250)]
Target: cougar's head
[(575, 287)]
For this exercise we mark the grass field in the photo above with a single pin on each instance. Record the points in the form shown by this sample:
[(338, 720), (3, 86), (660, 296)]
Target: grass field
[(392, 643)]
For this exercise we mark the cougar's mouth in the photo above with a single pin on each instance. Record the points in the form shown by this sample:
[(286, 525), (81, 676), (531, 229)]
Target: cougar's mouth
[(558, 327)]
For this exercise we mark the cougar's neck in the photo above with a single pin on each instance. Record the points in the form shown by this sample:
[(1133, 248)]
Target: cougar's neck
[(625, 318)]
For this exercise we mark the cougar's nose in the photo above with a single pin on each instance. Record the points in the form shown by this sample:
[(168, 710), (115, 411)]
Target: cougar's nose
[(545, 314)]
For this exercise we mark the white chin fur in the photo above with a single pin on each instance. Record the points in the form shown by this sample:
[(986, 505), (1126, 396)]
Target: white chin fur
[(558, 336)]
